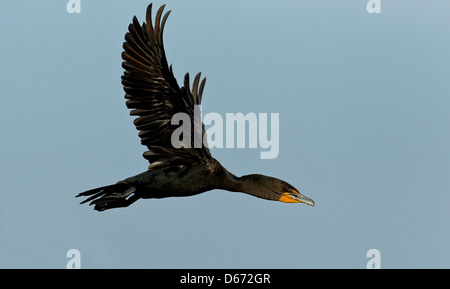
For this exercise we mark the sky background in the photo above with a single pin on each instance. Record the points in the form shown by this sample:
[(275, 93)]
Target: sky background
[(364, 106)]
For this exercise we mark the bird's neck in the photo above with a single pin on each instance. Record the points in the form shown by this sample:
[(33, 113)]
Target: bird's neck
[(228, 181), (236, 184)]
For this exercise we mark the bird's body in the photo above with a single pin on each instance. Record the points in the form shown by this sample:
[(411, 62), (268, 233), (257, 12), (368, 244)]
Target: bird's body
[(155, 97), (176, 181)]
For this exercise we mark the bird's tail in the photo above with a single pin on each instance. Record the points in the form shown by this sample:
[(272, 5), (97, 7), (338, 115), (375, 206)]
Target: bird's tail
[(112, 196)]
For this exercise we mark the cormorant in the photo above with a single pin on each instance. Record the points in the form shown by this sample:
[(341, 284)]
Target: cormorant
[(154, 96)]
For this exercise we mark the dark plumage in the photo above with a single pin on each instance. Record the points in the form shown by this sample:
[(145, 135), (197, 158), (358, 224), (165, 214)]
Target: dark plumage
[(154, 96)]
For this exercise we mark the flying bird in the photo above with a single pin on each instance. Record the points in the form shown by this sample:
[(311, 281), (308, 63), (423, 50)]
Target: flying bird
[(153, 95)]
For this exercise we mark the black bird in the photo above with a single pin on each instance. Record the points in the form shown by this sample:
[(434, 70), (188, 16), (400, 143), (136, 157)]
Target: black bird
[(154, 96)]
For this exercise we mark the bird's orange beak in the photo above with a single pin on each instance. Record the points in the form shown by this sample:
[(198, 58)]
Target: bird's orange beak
[(293, 196)]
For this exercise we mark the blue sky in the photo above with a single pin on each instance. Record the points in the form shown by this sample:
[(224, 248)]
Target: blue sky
[(363, 102)]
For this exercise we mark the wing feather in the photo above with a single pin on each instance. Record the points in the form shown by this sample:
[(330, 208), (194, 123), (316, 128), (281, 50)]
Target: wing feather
[(153, 95)]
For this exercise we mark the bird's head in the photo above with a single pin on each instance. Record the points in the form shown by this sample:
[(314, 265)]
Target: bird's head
[(273, 189)]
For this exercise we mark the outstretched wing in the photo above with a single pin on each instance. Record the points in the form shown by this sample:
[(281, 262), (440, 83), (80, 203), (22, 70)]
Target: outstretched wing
[(153, 94)]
